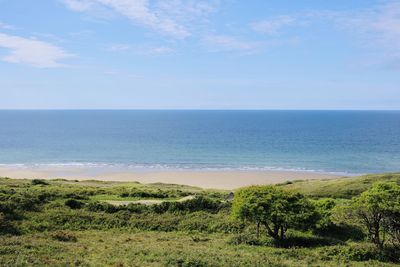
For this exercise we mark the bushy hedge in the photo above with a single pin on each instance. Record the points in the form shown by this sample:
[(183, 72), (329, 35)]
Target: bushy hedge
[(141, 193), (199, 203)]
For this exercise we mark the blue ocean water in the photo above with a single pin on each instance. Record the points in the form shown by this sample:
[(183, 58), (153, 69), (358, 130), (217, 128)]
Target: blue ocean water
[(329, 141)]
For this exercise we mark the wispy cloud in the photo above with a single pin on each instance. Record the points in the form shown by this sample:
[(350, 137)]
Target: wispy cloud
[(273, 25), (376, 28), (144, 50), (231, 44), (167, 17), (78, 5), (32, 52), (379, 25), (6, 26)]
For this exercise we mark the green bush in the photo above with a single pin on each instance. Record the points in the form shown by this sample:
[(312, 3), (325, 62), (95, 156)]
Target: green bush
[(376, 209), (364, 252), (26, 201), (274, 209), (7, 225), (137, 193), (74, 204), (102, 207), (192, 205), (39, 182)]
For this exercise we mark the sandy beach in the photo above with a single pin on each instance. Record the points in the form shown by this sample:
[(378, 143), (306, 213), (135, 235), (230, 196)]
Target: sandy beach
[(205, 179)]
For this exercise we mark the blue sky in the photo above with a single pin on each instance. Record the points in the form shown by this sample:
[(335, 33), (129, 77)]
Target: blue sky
[(211, 54)]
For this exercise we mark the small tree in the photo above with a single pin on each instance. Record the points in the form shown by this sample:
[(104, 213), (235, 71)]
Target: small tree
[(394, 227), (378, 210), (275, 209)]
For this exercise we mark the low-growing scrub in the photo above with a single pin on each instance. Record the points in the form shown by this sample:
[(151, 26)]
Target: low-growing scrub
[(64, 236), (53, 222), (39, 182)]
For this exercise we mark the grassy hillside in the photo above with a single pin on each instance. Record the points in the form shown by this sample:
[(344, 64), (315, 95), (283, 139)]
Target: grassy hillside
[(346, 187), (72, 223)]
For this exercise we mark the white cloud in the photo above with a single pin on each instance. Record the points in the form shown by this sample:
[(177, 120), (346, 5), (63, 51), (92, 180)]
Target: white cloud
[(139, 12), (380, 25), (168, 17), (273, 25), (32, 52), (146, 50), (376, 28), (187, 10), (230, 44)]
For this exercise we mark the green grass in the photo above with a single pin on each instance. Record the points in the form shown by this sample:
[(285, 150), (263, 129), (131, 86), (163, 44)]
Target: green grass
[(130, 248), (105, 197), (340, 188), (43, 231)]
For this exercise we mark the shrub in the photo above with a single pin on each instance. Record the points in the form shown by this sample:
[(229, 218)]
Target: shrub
[(26, 201), (324, 208), (102, 206), (6, 225), (136, 208), (364, 252), (192, 205), (328, 227), (39, 182), (148, 194), (275, 209), (74, 204), (376, 209)]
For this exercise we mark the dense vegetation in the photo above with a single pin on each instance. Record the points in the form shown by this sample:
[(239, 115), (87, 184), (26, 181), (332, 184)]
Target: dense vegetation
[(349, 221)]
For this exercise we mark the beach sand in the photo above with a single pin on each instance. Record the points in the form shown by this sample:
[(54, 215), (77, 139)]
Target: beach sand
[(205, 179)]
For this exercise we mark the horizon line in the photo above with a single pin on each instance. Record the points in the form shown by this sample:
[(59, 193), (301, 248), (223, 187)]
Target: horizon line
[(187, 109)]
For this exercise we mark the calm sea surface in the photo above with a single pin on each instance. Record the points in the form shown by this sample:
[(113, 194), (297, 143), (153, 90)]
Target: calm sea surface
[(331, 141)]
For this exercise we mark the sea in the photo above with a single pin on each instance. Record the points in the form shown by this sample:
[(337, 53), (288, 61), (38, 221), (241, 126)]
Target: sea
[(343, 142)]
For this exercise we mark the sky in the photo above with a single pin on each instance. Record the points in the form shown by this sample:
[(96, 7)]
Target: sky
[(204, 54)]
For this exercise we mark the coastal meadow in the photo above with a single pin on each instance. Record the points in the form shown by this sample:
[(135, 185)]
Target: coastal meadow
[(93, 223)]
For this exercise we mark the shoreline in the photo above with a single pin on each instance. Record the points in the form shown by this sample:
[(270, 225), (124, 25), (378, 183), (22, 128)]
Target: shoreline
[(216, 179)]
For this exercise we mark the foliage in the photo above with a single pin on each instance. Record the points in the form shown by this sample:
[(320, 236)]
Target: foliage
[(67, 223), (324, 208), (274, 208), (196, 204), (365, 252), (345, 188), (378, 210), (138, 193), (39, 182), (74, 204)]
